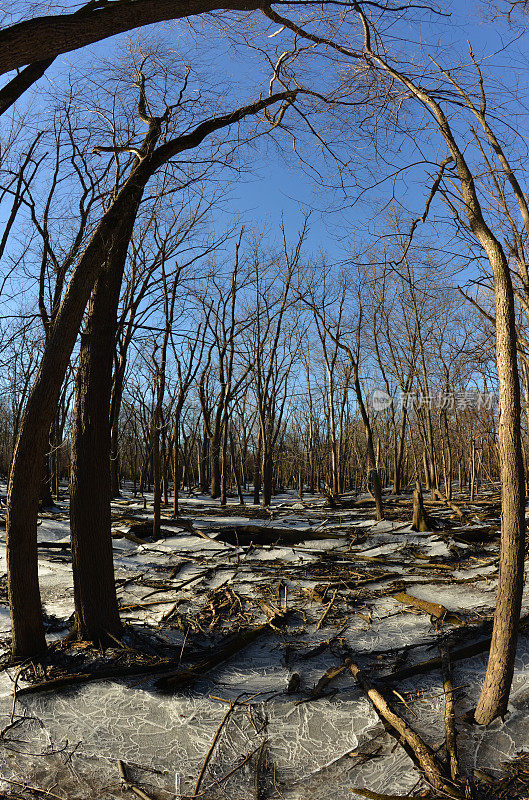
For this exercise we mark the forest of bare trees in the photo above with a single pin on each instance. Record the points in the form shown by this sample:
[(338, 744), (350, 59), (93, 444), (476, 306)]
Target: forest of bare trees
[(260, 257)]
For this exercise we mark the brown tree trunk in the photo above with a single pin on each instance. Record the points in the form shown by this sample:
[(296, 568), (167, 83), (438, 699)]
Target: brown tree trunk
[(214, 465), (420, 521), (45, 37), (115, 486), (115, 410), (156, 476), (498, 679), (224, 464), (496, 688), (176, 464), (257, 472), (399, 453), (267, 476), (202, 462), (28, 637), (96, 606), (165, 472), (25, 477), (235, 468)]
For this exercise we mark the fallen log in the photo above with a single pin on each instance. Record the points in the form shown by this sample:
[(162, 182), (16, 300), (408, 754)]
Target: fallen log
[(328, 676), (327, 609), (132, 786), (130, 537), (212, 747), (377, 796), (470, 535), (389, 562), (436, 493), (54, 545), (404, 734), (188, 676), (265, 535), (111, 673), (140, 531), (433, 609), (460, 653)]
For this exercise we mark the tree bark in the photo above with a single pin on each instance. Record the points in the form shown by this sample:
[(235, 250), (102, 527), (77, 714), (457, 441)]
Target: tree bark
[(46, 37), (267, 475), (96, 606), (214, 463), (495, 692), (496, 688), (420, 521), (257, 471), (28, 637)]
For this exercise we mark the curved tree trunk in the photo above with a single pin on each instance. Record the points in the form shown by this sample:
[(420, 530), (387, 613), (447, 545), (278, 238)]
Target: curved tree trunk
[(495, 692), (496, 688), (96, 606), (28, 637)]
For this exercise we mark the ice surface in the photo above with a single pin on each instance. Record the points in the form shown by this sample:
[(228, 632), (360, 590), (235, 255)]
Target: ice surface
[(69, 742)]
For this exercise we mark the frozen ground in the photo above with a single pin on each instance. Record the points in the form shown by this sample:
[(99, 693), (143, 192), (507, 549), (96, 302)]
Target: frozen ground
[(275, 743)]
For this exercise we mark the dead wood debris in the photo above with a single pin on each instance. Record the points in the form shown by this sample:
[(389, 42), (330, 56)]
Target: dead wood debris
[(132, 786), (345, 582), (449, 714), (399, 728), (186, 677), (434, 609), (457, 654)]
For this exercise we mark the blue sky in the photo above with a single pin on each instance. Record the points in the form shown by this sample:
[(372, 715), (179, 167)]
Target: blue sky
[(273, 188)]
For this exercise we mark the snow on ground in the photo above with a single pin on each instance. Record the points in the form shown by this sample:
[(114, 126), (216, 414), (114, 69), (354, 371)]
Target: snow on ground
[(69, 742)]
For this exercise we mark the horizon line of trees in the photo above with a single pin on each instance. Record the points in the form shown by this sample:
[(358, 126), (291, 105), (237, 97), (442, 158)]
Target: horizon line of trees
[(264, 354)]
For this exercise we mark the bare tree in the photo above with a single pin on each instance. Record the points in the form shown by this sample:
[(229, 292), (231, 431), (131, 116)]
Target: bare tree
[(329, 312), (112, 233), (496, 688)]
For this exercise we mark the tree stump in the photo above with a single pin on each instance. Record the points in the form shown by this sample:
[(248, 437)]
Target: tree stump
[(421, 520)]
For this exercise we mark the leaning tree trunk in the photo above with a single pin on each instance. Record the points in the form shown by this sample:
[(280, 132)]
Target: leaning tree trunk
[(496, 688), (46, 497), (495, 692), (96, 606), (235, 469), (28, 637), (115, 483)]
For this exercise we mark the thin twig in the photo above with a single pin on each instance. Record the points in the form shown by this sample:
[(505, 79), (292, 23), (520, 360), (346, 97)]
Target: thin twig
[(212, 747)]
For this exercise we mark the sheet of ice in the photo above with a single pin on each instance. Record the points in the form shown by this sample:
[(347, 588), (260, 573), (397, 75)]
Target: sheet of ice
[(69, 742)]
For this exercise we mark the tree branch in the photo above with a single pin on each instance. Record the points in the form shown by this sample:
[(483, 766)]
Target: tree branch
[(49, 36)]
